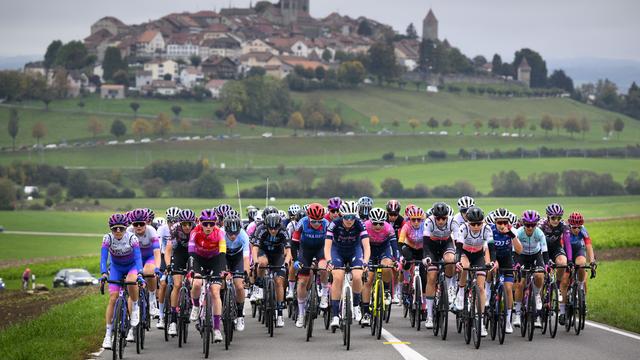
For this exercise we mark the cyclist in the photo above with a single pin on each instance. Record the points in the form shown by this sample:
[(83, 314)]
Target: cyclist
[(257, 220), (271, 247), (384, 248), (411, 242), (291, 224), (126, 260), (577, 244), (347, 242), (158, 222), (207, 254), (221, 211), (438, 246), (164, 233), (396, 220), (310, 235), (238, 258), (475, 247), (177, 254), (464, 203), (505, 241), (553, 228), (251, 213), (333, 208), (151, 217), (150, 250), (534, 256), (365, 204)]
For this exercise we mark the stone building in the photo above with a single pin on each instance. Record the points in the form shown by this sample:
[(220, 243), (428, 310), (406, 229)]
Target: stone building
[(524, 72), (430, 27)]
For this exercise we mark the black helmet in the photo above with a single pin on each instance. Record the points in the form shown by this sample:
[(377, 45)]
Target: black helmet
[(232, 225), (300, 214), (273, 221), (440, 209), (269, 210), (475, 214)]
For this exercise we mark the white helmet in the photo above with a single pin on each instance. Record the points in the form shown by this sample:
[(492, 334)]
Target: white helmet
[(501, 213), (451, 213), (157, 222), (172, 213), (258, 217), (293, 209), (378, 215), (466, 202), (490, 218), (283, 214), (348, 208), (513, 218)]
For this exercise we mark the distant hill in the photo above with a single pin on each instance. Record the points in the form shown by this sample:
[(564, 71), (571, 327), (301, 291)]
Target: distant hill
[(584, 70), (17, 62)]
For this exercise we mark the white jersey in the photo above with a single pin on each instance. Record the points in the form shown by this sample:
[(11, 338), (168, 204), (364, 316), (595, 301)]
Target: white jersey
[(436, 233), (164, 233), (292, 226), (458, 220), (475, 242), (146, 240)]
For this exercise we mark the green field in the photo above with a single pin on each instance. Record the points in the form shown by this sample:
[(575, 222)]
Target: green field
[(479, 172), (31, 246), (615, 233), (610, 297), (50, 336)]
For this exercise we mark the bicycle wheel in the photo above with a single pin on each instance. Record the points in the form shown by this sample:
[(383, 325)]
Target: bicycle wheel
[(312, 307), (579, 313), (271, 306), (207, 324), (493, 312), (124, 328), (531, 315), (167, 311), (326, 316), (523, 315), (380, 310), (347, 320), (136, 337), (443, 313), (115, 328), (476, 317), (182, 316), (554, 309), (501, 308), (467, 315), (568, 322), (418, 300), (227, 318)]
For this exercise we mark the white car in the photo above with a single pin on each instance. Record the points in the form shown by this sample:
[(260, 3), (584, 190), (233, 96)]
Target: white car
[(129, 141), (195, 138), (113, 142), (51, 146), (267, 135), (145, 141), (444, 133)]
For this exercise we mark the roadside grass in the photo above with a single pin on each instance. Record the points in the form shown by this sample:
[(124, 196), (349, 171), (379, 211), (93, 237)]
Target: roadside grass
[(614, 234), (611, 296), (21, 247), (50, 268), (67, 331)]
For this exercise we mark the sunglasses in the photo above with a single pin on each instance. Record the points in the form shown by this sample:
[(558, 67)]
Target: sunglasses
[(556, 218), (502, 222), (441, 218), (315, 222), (377, 223), (186, 223), (529, 226), (416, 220), (576, 227), (463, 211), (349, 217), (139, 224), (208, 224), (393, 214), (333, 211), (273, 228), (475, 223), (118, 229), (233, 233)]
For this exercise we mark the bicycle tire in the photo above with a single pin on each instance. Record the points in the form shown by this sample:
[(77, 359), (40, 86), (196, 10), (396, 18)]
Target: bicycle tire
[(272, 305), (467, 314), (116, 329), (347, 320), (207, 324), (531, 315), (182, 303), (312, 306), (444, 310), (552, 317), (494, 312), (136, 337), (418, 299), (579, 313), (523, 315), (167, 311), (477, 317), (227, 318), (326, 316), (380, 309), (436, 311), (502, 314)]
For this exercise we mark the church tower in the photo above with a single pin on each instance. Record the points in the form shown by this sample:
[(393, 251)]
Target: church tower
[(292, 9), (524, 72), (430, 27)]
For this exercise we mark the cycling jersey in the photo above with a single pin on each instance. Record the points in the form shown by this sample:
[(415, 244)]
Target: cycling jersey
[(308, 236), (475, 242), (292, 226), (179, 239), (207, 246), (149, 242), (269, 243), (533, 244), (239, 245), (436, 233), (385, 237), (503, 241), (553, 234), (346, 239), (164, 234), (251, 228), (412, 237), (575, 245), (397, 225), (458, 220), (123, 252)]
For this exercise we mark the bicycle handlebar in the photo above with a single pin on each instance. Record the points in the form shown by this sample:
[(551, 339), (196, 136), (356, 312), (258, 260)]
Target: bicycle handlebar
[(115, 282)]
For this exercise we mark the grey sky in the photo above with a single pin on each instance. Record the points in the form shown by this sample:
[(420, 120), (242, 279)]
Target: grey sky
[(556, 28)]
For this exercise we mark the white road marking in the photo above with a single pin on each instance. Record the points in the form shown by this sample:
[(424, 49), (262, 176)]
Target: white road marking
[(612, 329), (405, 351)]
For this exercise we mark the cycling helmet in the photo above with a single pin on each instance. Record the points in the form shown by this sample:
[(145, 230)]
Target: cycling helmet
[(221, 211), (208, 215), (349, 208), (475, 214), (378, 215), (440, 209), (393, 206), (232, 213), (187, 215), (334, 203), (283, 214), (315, 211), (118, 220), (490, 218), (305, 207), (576, 219), (269, 210), (530, 217), (429, 212), (232, 225), (152, 215), (300, 214), (251, 212), (555, 210), (501, 213), (466, 202), (365, 201), (258, 218), (293, 209), (273, 221), (172, 214), (406, 210), (513, 218), (138, 215), (416, 213), (157, 222)]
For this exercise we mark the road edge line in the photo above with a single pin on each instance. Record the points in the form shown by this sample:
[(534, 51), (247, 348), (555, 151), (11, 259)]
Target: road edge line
[(612, 329)]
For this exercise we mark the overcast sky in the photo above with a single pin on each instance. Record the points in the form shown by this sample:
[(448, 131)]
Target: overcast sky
[(556, 28)]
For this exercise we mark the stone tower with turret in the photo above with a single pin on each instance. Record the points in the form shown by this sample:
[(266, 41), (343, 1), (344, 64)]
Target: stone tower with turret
[(292, 9), (430, 27), (524, 72)]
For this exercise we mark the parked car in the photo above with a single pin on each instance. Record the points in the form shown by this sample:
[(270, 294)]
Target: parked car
[(74, 278), (145, 141), (130, 141), (51, 146), (267, 135), (113, 142)]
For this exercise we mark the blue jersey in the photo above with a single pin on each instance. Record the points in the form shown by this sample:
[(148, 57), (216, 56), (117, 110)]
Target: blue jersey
[(532, 244), (502, 241), (308, 236), (346, 239), (240, 244)]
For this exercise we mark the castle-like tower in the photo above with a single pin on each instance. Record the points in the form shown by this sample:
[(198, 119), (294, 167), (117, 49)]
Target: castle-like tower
[(292, 9), (430, 27)]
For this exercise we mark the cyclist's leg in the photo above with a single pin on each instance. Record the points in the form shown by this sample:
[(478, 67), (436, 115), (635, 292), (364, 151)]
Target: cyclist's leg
[(196, 284), (559, 257), (305, 257), (295, 246), (506, 262), (338, 278), (356, 265), (132, 276)]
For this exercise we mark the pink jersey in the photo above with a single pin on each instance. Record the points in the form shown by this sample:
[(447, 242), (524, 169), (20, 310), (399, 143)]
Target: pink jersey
[(381, 236)]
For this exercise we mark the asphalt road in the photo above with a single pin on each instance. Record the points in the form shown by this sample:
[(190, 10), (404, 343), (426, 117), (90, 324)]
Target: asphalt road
[(400, 342)]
